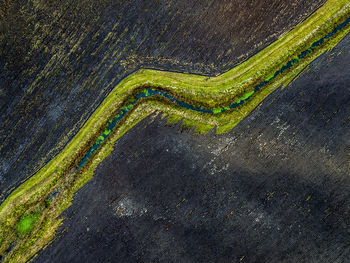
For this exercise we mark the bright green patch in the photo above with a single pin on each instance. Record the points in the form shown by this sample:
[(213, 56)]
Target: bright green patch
[(217, 110), (245, 96), (269, 77), (107, 132), (27, 223)]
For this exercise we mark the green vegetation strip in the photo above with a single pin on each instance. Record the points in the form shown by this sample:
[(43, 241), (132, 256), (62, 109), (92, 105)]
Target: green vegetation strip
[(28, 217)]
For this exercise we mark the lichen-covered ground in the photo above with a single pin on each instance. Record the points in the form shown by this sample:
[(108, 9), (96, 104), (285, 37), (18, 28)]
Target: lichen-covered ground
[(274, 189), (59, 59)]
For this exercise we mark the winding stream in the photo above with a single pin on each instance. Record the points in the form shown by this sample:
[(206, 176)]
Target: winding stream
[(146, 93)]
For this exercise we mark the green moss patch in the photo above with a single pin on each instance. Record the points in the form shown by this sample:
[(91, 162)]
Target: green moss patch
[(26, 224)]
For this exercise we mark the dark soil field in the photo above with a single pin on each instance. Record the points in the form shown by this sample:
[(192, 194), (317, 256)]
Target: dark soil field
[(59, 59), (274, 189)]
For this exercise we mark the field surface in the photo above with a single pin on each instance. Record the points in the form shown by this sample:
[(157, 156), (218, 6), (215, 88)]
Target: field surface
[(193, 92), (274, 189), (60, 59)]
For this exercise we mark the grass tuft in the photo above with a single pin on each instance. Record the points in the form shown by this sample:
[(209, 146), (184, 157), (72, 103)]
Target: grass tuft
[(27, 223)]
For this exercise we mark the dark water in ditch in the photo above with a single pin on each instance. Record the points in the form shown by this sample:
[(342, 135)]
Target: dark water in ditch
[(153, 92)]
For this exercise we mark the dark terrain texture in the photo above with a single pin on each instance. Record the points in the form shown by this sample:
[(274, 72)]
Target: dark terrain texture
[(59, 59), (274, 189)]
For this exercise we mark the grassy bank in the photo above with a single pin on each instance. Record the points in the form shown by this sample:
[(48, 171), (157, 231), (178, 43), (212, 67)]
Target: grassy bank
[(28, 216)]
